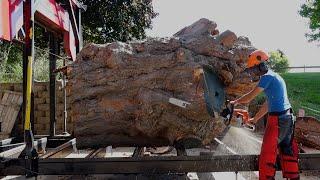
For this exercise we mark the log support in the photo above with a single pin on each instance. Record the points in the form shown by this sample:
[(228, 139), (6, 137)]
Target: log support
[(148, 165)]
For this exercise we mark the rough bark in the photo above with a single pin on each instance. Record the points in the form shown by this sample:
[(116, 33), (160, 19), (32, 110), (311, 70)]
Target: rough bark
[(307, 132), (120, 91)]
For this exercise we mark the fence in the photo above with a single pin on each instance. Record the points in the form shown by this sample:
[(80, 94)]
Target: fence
[(304, 69), (311, 112)]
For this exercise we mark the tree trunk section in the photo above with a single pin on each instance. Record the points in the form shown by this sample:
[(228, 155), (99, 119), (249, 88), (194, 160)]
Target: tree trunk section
[(120, 92)]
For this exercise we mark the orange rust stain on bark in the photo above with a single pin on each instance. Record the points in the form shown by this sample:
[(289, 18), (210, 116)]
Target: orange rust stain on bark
[(116, 104)]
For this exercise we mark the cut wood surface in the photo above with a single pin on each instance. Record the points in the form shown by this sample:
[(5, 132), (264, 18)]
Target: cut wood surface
[(120, 91), (9, 109)]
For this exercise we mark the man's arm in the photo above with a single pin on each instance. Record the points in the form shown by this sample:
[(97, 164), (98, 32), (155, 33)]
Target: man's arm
[(245, 99), (262, 111)]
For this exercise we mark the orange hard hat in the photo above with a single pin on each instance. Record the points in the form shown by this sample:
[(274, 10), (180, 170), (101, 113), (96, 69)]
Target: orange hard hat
[(256, 57)]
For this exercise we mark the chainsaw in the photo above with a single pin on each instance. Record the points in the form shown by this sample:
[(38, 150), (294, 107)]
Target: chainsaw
[(241, 117)]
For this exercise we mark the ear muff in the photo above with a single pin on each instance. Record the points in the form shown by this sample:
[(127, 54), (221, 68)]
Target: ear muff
[(259, 58), (263, 67), (259, 69)]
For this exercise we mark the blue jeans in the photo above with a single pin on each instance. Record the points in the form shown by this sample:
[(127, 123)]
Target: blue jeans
[(286, 130)]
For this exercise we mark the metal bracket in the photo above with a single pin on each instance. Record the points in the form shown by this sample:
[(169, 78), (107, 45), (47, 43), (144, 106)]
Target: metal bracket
[(179, 102)]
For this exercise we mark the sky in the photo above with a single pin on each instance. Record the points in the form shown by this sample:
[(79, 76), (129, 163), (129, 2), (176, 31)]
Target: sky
[(269, 24)]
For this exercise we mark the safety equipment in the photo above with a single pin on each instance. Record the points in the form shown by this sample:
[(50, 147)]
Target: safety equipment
[(257, 64), (269, 151), (257, 57), (259, 69)]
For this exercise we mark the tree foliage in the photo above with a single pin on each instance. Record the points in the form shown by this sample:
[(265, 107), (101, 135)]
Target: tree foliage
[(311, 11), (10, 62), (103, 21), (116, 20), (278, 61)]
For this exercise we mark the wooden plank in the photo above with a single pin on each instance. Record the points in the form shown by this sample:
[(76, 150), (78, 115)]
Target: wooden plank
[(10, 106), (9, 111), (14, 113), (4, 98), (3, 136), (11, 92), (1, 109), (5, 114)]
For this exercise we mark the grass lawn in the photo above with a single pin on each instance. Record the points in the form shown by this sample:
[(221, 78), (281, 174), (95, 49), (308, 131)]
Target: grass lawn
[(304, 92)]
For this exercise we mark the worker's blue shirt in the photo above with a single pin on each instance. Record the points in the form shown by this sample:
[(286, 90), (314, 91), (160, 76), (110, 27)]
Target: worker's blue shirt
[(275, 90)]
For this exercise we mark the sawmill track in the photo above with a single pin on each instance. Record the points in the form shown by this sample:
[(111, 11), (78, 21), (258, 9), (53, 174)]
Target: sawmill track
[(222, 158)]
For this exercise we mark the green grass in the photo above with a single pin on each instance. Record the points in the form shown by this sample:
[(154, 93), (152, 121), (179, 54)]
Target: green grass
[(304, 91)]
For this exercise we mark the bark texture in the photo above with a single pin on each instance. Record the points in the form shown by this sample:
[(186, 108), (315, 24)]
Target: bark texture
[(307, 132), (120, 91)]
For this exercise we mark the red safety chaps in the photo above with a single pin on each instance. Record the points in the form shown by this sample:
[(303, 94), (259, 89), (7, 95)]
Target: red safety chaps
[(278, 138)]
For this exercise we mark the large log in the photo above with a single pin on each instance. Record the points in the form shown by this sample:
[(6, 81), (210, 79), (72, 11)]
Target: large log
[(120, 91)]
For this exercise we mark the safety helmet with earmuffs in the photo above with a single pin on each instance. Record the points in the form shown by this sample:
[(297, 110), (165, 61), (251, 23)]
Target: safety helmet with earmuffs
[(257, 63)]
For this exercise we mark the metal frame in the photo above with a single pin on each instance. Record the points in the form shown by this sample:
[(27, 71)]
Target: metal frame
[(70, 143), (53, 47), (39, 144), (30, 154), (5, 141), (31, 165), (147, 165)]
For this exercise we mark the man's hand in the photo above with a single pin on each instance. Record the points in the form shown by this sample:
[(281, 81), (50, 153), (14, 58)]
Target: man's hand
[(235, 102), (252, 121)]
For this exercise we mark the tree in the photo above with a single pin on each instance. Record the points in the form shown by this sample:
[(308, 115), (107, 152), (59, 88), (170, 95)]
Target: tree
[(111, 20), (278, 61), (311, 10), (10, 62), (104, 21)]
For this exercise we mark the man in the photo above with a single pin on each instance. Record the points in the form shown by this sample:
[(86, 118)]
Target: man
[(278, 137)]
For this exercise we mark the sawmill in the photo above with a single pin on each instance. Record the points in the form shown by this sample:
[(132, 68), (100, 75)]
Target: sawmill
[(158, 108)]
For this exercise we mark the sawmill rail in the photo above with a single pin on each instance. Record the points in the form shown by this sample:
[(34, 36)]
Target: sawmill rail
[(145, 165)]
